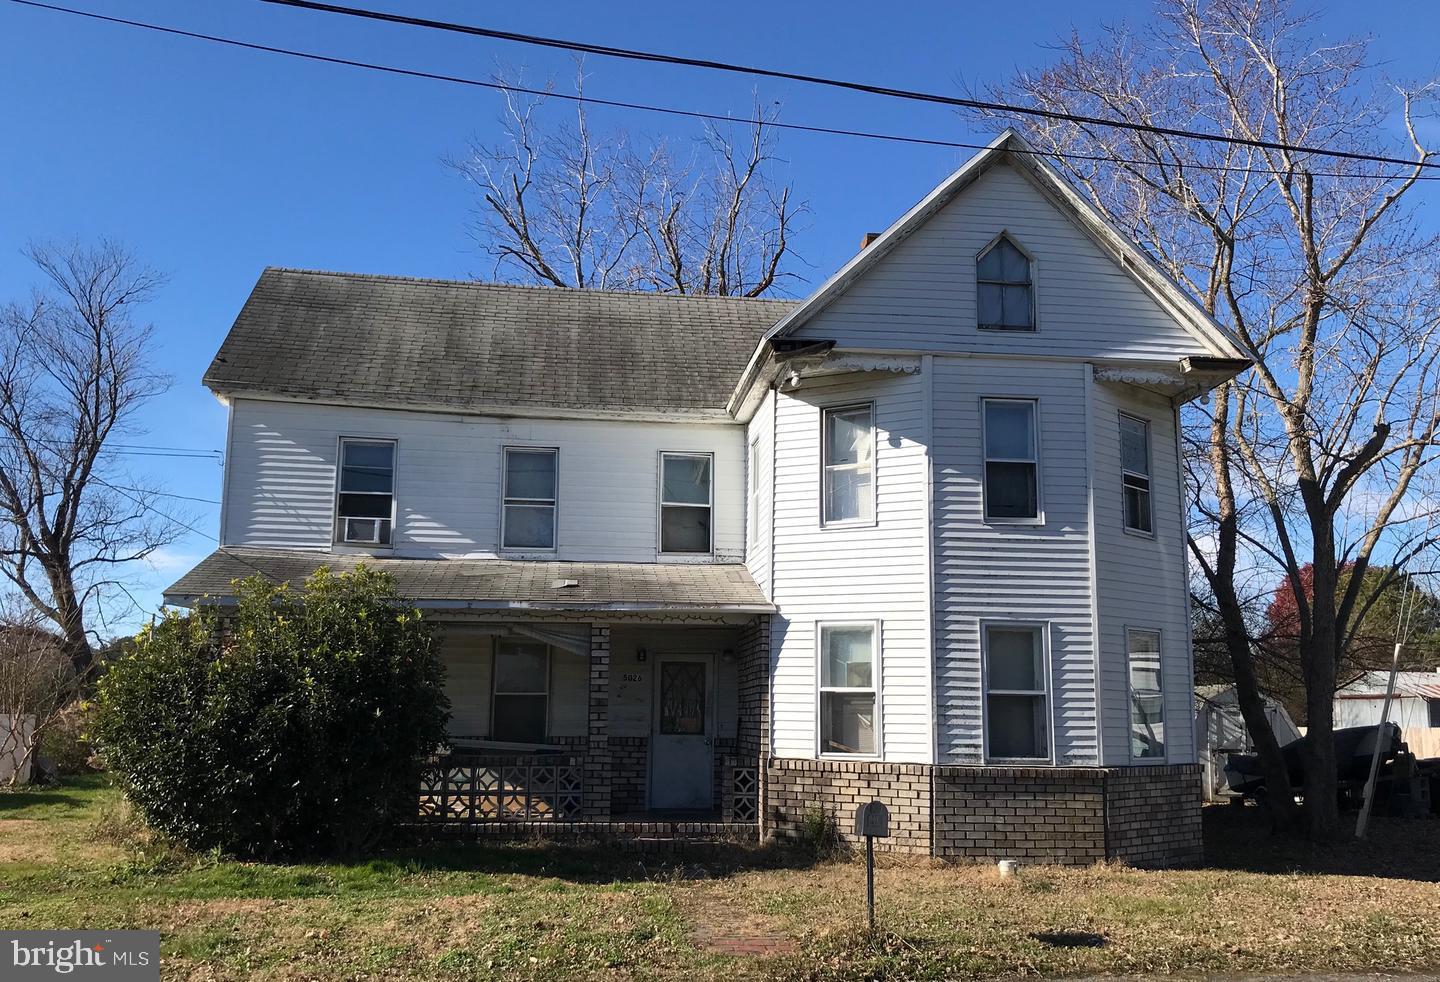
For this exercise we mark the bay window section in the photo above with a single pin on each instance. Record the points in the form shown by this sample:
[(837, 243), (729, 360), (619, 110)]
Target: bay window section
[(1135, 474), (520, 705), (365, 499), (1147, 697), (1016, 700), (848, 689), (1012, 479), (686, 503), (848, 465), (528, 519)]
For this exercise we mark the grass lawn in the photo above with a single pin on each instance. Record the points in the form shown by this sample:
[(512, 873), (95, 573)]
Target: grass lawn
[(549, 912)]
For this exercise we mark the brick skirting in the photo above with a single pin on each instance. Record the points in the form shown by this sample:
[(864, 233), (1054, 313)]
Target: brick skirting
[(1145, 816)]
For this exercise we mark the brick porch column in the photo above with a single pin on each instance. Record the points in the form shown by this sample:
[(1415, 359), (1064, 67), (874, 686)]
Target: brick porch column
[(597, 751)]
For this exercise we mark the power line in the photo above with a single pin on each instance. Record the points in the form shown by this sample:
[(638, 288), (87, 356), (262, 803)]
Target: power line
[(644, 107), (164, 494), (585, 47)]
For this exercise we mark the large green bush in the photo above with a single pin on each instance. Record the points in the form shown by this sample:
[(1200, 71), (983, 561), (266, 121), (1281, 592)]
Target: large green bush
[(292, 725)]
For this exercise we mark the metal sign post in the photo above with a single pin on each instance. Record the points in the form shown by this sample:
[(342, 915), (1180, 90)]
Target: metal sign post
[(872, 820)]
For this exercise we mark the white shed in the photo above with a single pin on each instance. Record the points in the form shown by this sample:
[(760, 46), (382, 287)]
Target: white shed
[(1416, 708), (1220, 730)]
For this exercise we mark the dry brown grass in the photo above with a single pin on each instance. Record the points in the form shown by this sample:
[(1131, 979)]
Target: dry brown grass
[(541, 912)]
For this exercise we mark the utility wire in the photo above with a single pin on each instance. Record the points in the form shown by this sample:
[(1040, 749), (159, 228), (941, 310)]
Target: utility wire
[(585, 47), (644, 107)]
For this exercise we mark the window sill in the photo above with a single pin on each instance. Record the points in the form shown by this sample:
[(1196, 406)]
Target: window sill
[(855, 524), (1139, 534), (838, 756), (361, 548), (992, 329), (1020, 762), (1031, 522)]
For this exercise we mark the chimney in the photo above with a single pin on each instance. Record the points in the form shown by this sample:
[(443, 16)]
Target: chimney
[(868, 238)]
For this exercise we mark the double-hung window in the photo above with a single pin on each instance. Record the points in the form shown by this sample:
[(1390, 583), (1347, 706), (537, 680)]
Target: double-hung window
[(528, 520), (848, 688), (1135, 474), (1016, 702), (1012, 467), (520, 708), (848, 465), (686, 502), (1005, 296), (1147, 697), (365, 502)]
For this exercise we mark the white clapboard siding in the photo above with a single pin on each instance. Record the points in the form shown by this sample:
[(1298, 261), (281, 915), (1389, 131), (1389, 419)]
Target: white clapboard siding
[(757, 539), (1010, 572), (1141, 579), (280, 479), (922, 294), (468, 657), (860, 573)]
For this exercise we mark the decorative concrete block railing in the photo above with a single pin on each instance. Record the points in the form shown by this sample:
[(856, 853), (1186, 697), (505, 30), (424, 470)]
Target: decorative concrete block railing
[(470, 789)]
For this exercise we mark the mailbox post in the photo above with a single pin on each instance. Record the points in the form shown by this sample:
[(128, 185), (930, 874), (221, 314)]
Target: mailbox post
[(872, 820)]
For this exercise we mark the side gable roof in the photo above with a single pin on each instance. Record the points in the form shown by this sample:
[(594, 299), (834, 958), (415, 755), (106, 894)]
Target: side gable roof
[(1217, 340), (455, 345)]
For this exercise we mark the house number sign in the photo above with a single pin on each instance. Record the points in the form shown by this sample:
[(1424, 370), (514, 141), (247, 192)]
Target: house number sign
[(631, 677)]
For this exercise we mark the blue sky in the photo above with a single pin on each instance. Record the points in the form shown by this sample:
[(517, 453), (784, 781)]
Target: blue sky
[(212, 163)]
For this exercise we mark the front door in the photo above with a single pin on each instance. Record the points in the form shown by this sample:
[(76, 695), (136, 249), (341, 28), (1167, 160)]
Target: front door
[(682, 762)]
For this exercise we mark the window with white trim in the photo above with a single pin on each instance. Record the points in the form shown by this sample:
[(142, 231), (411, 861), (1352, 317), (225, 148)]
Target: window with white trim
[(1012, 465), (1147, 696), (848, 693), (365, 496), (752, 477), (1005, 295), (686, 502), (1135, 474), (528, 514), (1017, 712), (847, 493), (520, 706)]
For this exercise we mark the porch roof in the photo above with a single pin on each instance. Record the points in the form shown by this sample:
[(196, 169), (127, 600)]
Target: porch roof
[(494, 584)]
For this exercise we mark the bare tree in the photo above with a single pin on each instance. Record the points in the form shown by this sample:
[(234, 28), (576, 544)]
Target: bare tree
[(1322, 454), (74, 369), (37, 684), (562, 205)]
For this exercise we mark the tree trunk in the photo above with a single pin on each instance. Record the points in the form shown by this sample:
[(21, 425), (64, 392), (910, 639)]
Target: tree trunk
[(1280, 796), (1317, 658)]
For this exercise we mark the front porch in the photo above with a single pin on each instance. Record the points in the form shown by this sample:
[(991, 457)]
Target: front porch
[(644, 728)]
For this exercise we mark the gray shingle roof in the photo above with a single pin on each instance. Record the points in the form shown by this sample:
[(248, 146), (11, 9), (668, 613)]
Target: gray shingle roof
[(495, 582), (384, 340)]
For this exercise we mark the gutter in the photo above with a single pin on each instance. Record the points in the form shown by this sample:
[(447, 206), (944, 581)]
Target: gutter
[(624, 607)]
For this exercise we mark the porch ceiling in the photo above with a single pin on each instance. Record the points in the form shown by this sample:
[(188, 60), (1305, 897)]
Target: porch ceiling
[(494, 584)]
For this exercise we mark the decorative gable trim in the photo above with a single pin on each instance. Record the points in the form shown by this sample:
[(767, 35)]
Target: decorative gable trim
[(1187, 312)]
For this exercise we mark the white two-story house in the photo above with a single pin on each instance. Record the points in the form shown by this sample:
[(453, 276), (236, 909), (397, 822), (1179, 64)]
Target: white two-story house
[(917, 538)]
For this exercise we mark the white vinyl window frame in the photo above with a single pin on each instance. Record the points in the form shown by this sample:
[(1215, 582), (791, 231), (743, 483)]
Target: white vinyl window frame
[(876, 641), (1042, 630), (1005, 236), (1037, 451), (827, 413), (662, 504), (495, 683), (752, 497), (1136, 481), (1159, 636), (338, 530), (506, 499)]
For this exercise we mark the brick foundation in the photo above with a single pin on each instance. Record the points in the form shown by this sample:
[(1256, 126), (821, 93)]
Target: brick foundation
[(1152, 815), (794, 787), (1144, 816)]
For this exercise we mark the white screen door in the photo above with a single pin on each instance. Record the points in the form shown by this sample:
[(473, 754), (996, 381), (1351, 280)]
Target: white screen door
[(682, 762)]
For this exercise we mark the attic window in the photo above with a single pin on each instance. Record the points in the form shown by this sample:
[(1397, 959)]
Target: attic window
[(1005, 295)]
